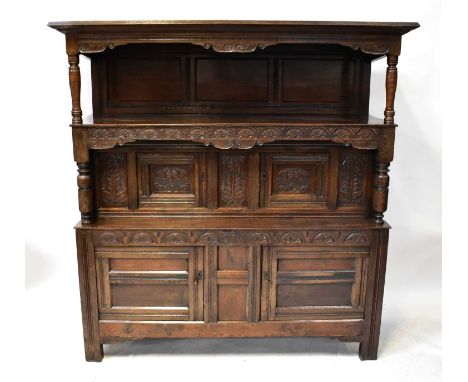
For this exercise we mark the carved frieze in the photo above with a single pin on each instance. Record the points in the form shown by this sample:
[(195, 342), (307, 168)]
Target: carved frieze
[(232, 237), (239, 44), (234, 137)]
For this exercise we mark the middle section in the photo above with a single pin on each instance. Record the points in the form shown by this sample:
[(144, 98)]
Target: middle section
[(191, 178)]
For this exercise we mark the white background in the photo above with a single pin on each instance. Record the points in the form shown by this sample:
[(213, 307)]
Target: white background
[(34, 67)]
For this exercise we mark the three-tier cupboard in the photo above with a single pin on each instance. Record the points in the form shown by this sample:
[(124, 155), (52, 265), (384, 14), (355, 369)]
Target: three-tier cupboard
[(231, 182)]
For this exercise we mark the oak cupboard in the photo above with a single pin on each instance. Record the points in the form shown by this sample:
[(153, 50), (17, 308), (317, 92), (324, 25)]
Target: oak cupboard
[(231, 182)]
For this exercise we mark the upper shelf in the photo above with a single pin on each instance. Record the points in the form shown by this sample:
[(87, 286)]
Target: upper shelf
[(241, 132), (235, 36), (229, 120)]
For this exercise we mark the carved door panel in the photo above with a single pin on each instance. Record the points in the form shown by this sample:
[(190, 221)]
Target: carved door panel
[(301, 284), (232, 284), (150, 284), (171, 180), (302, 180)]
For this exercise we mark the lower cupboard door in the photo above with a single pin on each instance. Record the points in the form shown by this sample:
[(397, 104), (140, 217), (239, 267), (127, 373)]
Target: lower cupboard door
[(150, 284), (232, 284), (302, 283)]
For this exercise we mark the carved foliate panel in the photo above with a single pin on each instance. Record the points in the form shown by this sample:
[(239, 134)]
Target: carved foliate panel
[(352, 179), (175, 179), (112, 181), (292, 180), (232, 180)]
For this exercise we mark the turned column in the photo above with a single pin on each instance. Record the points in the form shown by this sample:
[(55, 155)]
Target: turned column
[(85, 192), (385, 153), (390, 88), (380, 197), (84, 179), (75, 87)]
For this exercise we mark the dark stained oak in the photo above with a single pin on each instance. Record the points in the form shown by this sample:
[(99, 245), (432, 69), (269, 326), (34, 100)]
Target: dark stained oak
[(231, 181)]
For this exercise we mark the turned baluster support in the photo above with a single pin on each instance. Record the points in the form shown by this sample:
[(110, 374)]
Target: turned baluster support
[(390, 88), (85, 192), (75, 87), (385, 151), (81, 153), (380, 197)]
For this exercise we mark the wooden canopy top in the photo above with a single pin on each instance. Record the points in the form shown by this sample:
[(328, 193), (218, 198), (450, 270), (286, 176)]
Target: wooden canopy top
[(401, 27), (235, 36)]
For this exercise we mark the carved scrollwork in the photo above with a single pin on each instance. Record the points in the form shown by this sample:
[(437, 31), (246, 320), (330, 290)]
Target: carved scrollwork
[(232, 137), (372, 47), (95, 47), (234, 46)]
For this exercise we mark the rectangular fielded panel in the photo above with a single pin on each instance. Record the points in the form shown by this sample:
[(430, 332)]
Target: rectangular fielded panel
[(296, 180), (153, 283), (304, 283), (171, 180), (144, 80), (231, 80)]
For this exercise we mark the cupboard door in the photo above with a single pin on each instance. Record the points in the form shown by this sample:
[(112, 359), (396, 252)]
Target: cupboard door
[(171, 180), (301, 283), (153, 284), (232, 285), (302, 180)]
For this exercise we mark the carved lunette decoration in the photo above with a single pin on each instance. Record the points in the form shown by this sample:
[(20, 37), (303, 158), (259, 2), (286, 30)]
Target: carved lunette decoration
[(232, 237), (236, 138)]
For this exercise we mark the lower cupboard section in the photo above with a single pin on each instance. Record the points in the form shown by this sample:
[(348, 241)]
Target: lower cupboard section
[(235, 285)]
